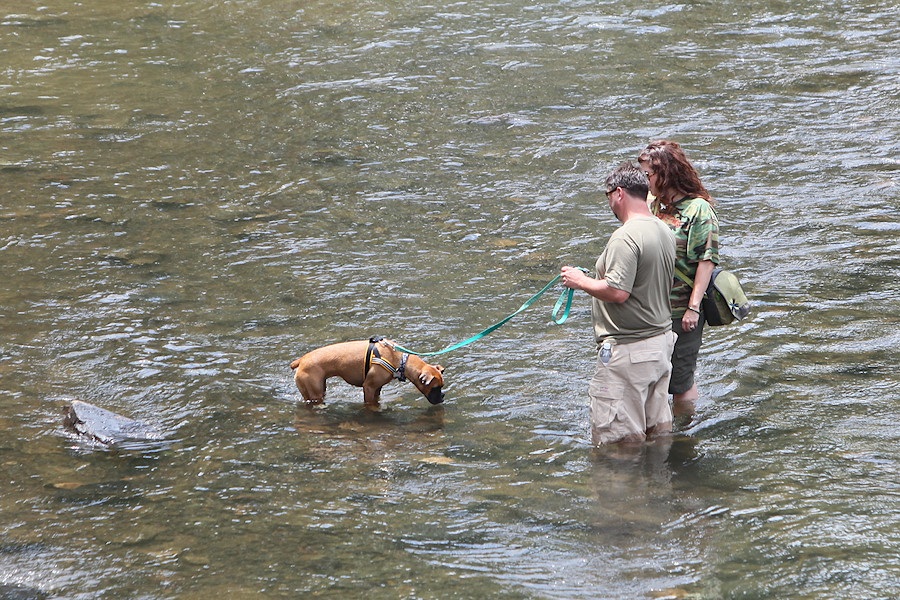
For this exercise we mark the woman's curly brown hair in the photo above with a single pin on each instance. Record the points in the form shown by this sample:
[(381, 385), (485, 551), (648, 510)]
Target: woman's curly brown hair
[(673, 169)]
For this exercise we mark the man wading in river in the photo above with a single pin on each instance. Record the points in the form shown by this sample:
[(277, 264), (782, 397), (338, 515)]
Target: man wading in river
[(631, 316)]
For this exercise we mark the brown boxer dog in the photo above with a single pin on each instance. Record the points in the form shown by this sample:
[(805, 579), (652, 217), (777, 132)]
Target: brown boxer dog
[(368, 364)]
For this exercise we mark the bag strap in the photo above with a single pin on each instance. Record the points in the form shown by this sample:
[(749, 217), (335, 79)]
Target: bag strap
[(690, 281), (684, 277)]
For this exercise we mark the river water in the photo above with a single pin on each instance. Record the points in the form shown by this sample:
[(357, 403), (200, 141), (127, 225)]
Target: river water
[(193, 194)]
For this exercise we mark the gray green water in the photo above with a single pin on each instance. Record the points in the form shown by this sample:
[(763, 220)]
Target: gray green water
[(192, 194)]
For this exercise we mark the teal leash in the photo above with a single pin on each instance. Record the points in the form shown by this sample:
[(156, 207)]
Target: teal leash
[(564, 299)]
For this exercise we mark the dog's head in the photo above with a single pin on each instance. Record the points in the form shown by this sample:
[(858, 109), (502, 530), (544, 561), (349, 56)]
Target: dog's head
[(429, 381)]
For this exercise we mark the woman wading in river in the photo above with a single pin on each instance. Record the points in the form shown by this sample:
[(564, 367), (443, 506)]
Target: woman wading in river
[(683, 204)]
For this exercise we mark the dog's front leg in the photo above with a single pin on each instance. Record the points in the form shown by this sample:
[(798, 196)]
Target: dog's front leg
[(371, 394)]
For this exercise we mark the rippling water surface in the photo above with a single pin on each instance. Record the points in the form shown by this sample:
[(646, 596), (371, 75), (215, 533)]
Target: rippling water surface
[(192, 195)]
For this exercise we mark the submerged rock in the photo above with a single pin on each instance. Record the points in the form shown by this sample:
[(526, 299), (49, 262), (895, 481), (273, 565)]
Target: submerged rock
[(10, 591), (104, 426)]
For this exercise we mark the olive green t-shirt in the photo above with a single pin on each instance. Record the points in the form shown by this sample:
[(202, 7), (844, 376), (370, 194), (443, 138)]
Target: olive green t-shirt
[(639, 259)]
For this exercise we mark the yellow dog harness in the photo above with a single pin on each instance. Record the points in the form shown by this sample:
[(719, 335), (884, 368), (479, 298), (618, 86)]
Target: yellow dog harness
[(374, 357)]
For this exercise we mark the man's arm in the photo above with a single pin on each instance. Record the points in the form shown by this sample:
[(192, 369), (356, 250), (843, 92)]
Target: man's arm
[(575, 278)]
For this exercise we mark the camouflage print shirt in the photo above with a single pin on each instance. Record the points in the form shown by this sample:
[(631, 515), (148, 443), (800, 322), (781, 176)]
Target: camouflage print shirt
[(696, 230)]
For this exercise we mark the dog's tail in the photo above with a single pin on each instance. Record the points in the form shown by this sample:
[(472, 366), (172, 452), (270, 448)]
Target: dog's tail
[(296, 363)]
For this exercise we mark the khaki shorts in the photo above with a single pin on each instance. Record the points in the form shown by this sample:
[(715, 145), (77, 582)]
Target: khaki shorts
[(629, 392)]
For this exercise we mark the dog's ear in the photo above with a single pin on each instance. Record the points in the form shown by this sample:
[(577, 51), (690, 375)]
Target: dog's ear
[(426, 378)]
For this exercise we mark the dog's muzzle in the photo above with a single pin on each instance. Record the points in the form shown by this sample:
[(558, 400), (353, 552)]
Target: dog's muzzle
[(435, 396)]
